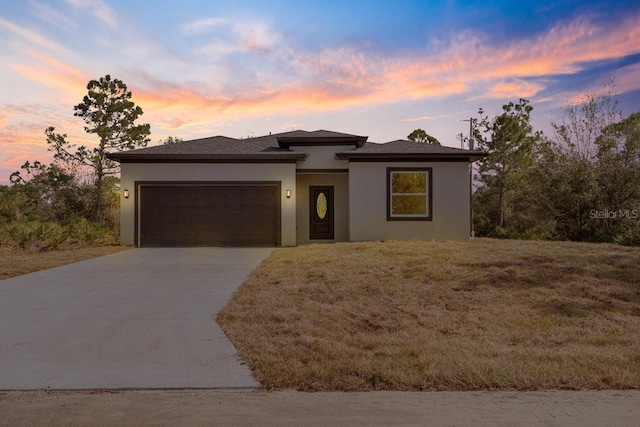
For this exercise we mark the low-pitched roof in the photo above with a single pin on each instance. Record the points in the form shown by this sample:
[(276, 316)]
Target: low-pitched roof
[(277, 148), (319, 137), (403, 149), (216, 148)]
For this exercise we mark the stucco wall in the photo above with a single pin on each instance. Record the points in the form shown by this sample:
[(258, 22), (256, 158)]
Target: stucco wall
[(368, 203), (340, 182), (322, 157), (285, 173)]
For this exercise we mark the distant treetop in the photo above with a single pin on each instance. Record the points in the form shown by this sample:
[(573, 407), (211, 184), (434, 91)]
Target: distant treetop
[(420, 135)]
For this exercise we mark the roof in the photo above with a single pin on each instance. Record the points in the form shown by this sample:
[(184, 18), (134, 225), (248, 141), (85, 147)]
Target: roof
[(216, 148), (277, 148), (403, 149), (319, 137)]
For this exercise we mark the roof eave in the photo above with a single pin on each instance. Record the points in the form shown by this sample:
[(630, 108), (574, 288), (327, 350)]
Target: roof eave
[(470, 157), (287, 141), (206, 158)]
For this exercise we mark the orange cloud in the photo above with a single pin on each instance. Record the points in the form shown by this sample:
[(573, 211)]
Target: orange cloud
[(49, 71), (291, 81), (513, 89), (344, 78), (564, 49), (17, 146), (197, 108), (22, 141), (15, 157)]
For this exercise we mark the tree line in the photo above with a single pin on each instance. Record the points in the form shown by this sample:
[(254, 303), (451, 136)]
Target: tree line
[(75, 198), (581, 183)]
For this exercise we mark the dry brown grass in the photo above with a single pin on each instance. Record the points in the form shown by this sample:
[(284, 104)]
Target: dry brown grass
[(15, 262), (485, 314)]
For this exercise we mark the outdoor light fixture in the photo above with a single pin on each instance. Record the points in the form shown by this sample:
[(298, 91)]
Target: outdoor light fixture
[(288, 193), (125, 193)]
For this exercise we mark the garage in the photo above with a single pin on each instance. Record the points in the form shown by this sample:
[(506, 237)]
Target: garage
[(209, 214)]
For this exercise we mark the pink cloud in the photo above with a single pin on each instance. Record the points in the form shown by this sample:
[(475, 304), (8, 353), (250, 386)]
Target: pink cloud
[(342, 78), (513, 89), (289, 81), (67, 81), (564, 49)]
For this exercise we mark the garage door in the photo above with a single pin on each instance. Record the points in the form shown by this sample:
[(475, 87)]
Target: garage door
[(209, 215)]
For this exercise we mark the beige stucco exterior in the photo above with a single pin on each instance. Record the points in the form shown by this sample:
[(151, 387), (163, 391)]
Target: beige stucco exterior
[(285, 173), (323, 157), (340, 182), (368, 203), (360, 194), (316, 170)]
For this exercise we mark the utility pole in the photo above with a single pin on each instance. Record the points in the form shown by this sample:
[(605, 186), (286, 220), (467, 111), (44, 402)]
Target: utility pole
[(471, 147), (471, 141)]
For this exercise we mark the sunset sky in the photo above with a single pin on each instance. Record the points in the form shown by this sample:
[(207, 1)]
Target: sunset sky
[(241, 68)]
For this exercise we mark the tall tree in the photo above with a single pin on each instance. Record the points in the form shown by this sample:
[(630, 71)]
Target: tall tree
[(618, 180), (618, 171), (110, 114), (511, 145), (583, 122), (420, 135), (583, 169)]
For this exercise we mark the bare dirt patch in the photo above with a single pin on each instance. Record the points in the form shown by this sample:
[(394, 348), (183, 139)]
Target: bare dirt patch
[(140, 408), (15, 262), (479, 315)]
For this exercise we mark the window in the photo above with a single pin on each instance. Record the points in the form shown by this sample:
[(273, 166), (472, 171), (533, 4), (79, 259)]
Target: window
[(409, 194)]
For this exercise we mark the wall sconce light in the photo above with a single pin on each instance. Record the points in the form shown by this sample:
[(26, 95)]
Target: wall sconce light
[(125, 193), (288, 193)]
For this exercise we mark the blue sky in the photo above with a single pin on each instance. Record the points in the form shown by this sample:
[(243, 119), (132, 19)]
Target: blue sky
[(382, 69)]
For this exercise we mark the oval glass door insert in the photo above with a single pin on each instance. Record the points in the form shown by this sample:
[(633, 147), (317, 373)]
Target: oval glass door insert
[(321, 206)]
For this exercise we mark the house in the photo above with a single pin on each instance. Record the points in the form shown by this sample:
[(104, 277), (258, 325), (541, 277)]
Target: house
[(292, 188)]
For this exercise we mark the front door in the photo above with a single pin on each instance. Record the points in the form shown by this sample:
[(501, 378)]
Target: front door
[(321, 209)]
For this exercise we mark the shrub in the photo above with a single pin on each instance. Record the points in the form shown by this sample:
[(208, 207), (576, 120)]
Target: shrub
[(35, 235), (92, 233), (44, 236), (22, 235), (51, 235), (629, 234)]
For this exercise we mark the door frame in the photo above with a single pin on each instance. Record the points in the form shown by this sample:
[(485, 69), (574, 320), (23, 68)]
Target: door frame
[(329, 191)]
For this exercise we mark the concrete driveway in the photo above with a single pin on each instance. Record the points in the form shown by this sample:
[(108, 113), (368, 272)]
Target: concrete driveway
[(143, 318)]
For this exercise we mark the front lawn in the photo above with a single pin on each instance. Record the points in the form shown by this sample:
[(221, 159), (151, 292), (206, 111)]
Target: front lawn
[(15, 261), (479, 315)]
